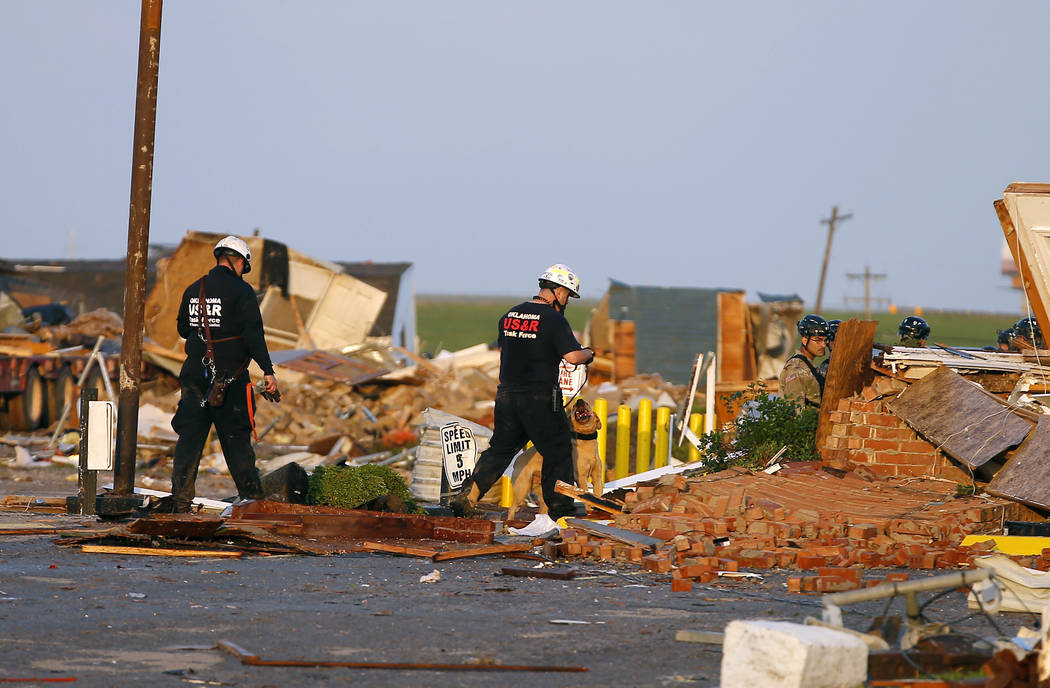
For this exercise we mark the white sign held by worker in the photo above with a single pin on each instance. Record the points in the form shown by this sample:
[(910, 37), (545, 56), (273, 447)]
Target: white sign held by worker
[(570, 379), (460, 453)]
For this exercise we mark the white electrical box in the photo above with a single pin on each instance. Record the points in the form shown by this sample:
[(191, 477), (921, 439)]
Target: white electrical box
[(101, 429)]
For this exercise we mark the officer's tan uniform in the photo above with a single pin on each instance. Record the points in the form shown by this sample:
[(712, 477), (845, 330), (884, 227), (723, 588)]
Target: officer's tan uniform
[(798, 382)]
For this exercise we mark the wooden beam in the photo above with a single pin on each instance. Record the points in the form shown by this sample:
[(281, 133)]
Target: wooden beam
[(1020, 260), (398, 549), (159, 551), (482, 551), (611, 506), (850, 370)]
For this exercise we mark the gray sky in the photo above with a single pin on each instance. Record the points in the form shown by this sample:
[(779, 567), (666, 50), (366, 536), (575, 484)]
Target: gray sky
[(658, 143)]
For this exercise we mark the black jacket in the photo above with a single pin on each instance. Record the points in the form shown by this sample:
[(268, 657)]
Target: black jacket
[(233, 311)]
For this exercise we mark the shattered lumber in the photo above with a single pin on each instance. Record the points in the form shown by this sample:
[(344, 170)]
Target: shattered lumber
[(482, 551), (612, 506), (387, 548)]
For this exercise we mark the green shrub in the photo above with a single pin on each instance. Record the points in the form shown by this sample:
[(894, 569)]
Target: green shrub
[(350, 487), (767, 424)]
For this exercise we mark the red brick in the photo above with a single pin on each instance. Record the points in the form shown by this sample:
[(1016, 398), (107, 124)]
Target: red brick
[(794, 584), (862, 406), (693, 571), (918, 446), (893, 433), (840, 429), (835, 454), (862, 532), (808, 561), (656, 563), (842, 572), (728, 565), (881, 420), (809, 584), (843, 405), (839, 416), (882, 445), (681, 585), (834, 584)]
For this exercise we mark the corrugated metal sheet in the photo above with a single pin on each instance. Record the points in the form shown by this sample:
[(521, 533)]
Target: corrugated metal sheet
[(672, 325)]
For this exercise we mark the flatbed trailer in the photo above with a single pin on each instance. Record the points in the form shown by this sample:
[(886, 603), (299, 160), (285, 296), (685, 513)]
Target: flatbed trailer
[(34, 388)]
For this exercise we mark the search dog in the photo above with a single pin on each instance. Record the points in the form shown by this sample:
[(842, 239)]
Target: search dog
[(587, 467)]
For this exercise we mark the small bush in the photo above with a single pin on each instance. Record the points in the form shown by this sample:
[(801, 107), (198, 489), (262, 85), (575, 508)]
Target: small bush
[(350, 487), (766, 424)]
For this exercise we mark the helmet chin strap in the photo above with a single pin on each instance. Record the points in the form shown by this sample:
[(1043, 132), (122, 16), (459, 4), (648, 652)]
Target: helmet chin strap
[(554, 303)]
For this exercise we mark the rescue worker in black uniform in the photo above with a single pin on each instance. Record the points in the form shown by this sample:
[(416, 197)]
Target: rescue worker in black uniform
[(533, 338), (833, 328), (1029, 333), (236, 331)]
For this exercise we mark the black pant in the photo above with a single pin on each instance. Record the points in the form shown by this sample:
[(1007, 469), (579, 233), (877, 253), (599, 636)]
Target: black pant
[(193, 421), (520, 417)]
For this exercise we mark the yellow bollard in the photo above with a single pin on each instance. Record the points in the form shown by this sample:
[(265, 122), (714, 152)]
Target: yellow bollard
[(645, 436), (663, 436), (601, 409), (506, 492), (696, 424), (623, 441)]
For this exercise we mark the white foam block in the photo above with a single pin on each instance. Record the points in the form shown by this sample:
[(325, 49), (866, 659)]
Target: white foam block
[(778, 654)]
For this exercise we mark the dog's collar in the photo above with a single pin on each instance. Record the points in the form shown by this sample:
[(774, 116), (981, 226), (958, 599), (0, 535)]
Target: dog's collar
[(586, 435)]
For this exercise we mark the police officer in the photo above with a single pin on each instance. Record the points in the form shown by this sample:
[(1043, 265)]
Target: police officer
[(230, 317), (833, 328), (799, 380), (913, 331), (534, 337), (1029, 333)]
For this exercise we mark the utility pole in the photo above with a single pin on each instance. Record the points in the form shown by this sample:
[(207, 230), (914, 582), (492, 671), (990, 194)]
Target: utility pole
[(830, 222), (138, 248), (867, 276)]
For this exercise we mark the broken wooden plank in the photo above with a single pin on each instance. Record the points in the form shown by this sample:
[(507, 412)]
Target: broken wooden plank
[(1024, 247), (482, 551), (974, 428), (623, 535), (398, 549), (849, 371), (328, 522), (159, 551), (706, 637), (177, 525), (612, 506), (1026, 477), (555, 573)]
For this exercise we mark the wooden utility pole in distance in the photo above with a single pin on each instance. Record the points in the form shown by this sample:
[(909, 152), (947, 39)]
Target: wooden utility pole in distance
[(830, 222), (867, 276)]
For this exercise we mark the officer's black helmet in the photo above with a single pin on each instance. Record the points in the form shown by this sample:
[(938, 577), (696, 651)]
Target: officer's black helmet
[(1006, 336), (813, 326), (914, 326), (833, 328), (1029, 329)]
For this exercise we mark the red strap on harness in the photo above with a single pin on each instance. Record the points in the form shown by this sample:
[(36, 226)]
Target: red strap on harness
[(251, 409)]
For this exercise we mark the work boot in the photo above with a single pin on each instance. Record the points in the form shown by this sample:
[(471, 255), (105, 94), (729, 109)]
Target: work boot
[(462, 504)]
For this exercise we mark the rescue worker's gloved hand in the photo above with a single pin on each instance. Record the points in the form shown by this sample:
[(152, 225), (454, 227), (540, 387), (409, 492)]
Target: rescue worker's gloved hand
[(268, 389)]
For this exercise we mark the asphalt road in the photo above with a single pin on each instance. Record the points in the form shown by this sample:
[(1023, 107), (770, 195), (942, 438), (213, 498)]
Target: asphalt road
[(111, 620)]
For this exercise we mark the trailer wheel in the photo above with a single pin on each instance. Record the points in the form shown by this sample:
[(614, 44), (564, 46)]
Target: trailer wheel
[(59, 391), (95, 381), (26, 411)]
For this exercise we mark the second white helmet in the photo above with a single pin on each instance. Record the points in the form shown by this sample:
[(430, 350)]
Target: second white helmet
[(563, 276), (238, 246)]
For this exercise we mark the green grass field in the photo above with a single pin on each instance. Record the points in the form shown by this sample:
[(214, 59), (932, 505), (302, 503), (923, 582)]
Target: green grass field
[(950, 328), (456, 322)]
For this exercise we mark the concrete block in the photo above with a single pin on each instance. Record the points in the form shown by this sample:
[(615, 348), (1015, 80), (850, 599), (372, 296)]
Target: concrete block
[(778, 654)]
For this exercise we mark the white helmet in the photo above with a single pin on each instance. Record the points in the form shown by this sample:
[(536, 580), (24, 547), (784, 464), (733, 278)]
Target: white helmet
[(563, 276), (238, 246)]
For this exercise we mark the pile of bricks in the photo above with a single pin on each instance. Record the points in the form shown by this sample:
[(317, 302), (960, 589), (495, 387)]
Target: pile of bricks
[(804, 517), (865, 432)]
